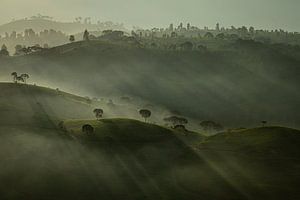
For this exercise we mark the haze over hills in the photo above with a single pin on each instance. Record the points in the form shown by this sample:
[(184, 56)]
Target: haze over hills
[(170, 113), (40, 159), (265, 157), (130, 159), (40, 24), (239, 84)]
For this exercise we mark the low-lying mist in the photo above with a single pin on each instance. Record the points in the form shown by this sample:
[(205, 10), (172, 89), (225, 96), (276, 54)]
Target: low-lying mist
[(234, 88)]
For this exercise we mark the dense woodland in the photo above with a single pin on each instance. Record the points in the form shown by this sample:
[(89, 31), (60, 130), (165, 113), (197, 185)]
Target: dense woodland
[(182, 37)]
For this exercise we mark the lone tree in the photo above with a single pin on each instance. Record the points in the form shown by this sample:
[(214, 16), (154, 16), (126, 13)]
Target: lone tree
[(145, 113), (87, 129), (263, 123), (72, 38), (14, 75), (25, 77), (98, 113), (86, 35), (4, 51)]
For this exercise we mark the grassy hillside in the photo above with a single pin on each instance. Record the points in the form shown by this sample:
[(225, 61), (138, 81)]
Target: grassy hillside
[(249, 160), (275, 141), (37, 105), (128, 131), (263, 162), (29, 105), (41, 162), (237, 84), (129, 159)]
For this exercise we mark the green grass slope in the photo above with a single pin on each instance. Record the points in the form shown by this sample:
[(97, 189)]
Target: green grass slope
[(264, 162), (238, 84), (129, 159), (265, 140), (144, 161), (161, 160), (126, 130), (29, 105)]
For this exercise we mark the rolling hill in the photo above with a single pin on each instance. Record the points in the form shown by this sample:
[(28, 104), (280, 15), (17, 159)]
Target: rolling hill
[(39, 161), (130, 159), (263, 162), (30, 105), (39, 24), (265, 140), (238, 84)]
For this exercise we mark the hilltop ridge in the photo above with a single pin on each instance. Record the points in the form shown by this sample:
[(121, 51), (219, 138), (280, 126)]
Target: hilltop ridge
[(39, 24)]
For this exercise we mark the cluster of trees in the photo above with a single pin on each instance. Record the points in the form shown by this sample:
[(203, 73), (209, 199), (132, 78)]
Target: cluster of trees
[(218, 33), (174, 121), (99, 24), (44, 38), (23, 50), (86, 36), (22, 78)]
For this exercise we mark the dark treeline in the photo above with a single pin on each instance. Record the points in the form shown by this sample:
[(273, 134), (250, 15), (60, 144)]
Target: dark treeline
[(219, 33), (46, 38), (182, 37), (44, 31)]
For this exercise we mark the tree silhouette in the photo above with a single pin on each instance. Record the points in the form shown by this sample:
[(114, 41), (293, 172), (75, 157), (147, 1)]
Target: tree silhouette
[(20, 79), (14, 75), (263, 123), (145, 113), (18, 49), (217, 27), (24, 77), (86, 35), (98, 113), (3, 51), (72, 38), (87, 129)]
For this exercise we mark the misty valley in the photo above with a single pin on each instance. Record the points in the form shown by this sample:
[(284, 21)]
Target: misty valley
[(93, 111)]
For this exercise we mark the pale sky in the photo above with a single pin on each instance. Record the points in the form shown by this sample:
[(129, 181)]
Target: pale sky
[(268, 14)]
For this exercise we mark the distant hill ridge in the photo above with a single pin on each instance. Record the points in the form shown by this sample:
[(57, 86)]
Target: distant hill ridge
[(45, 24)]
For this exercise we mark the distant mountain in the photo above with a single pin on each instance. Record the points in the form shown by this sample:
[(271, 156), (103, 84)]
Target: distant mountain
[(39, 24)]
